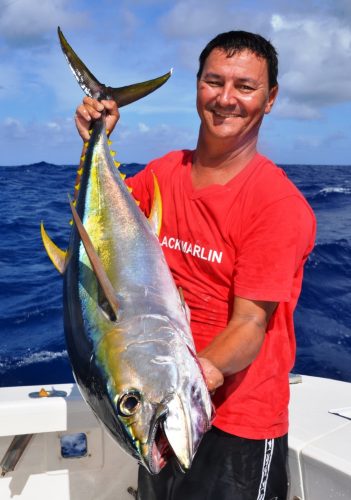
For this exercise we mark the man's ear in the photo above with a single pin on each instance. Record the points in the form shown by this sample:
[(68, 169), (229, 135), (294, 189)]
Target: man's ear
[(271, 98)]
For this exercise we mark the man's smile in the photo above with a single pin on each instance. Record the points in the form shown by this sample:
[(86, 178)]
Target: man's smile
[(225, 114)]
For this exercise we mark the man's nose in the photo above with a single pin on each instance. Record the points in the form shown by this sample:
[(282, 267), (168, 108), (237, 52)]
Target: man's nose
[(226, 96)]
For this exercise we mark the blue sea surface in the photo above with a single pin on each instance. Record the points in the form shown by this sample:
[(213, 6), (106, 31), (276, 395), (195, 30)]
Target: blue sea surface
[(32, 345)]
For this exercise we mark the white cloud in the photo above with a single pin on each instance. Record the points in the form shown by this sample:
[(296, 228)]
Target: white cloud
[(136, 144), (194, 18), (10, 80), (320, 141), (287, 108), (13, 128), (191, 24), (143, 128), (129, 22), (308, 142), (27, 22), (32, 141), (313, 42), (57, 141), (315, 56)]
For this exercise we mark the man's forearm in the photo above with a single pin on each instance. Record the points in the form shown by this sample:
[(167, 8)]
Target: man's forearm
[(235, 347)]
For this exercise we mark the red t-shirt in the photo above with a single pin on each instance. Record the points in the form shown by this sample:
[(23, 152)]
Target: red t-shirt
[(249, 238)]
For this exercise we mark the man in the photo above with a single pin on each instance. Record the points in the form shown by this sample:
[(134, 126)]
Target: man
[(236, 234)]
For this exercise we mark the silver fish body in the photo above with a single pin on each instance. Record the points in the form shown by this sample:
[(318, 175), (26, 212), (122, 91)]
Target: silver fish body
[(138, 370), (126, 327)]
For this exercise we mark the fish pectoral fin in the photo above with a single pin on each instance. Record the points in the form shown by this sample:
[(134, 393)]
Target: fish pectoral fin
[(56, 255), (93, 88), (184, 304), (155, 217), (98, 268)]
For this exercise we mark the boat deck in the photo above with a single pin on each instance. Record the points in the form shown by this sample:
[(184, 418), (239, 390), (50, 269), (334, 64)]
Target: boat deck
[(319, 446)]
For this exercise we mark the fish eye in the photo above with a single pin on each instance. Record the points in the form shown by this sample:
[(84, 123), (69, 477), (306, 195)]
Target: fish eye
[(129, 403)]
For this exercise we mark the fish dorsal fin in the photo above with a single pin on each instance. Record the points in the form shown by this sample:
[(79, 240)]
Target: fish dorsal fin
[(155, 217), (56, 255), (96, 264), (93, 88)]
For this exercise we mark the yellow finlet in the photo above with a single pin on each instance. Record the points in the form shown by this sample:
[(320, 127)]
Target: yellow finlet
[(130, 189), (80, 171), (56, 255), (113, 153), (123, 175), (155, 217), (117, 164), (82, 158), (86, 144), (109, 142), (77, 186)]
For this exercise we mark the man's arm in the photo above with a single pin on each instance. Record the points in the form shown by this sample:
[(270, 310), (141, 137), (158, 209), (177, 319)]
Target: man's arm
[(239, 343)]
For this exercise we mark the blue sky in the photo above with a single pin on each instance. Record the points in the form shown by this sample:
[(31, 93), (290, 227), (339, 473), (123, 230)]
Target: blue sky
[(123, 42)]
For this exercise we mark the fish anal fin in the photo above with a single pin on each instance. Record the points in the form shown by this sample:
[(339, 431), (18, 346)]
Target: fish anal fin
[(56, 255), (155, 217), (96, 264)]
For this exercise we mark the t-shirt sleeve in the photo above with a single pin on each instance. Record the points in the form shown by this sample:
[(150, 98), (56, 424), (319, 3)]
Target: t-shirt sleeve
[(273, 246)]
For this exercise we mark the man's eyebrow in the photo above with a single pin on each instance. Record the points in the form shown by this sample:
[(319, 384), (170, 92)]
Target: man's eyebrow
[(247, 80), (216, 76), (212, 75)]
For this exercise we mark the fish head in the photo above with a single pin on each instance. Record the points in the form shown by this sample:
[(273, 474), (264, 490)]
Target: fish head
[(161, 401)]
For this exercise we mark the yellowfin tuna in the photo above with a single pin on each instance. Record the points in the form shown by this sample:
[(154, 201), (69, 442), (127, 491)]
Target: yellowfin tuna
[(126, 325)]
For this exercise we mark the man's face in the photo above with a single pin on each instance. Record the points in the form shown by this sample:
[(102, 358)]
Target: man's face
[(233, 95)]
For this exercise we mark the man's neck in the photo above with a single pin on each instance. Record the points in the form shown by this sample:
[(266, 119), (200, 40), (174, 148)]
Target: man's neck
[(219, 162)]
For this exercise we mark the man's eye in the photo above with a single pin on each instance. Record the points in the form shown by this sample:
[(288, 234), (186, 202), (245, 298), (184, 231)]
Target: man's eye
[(246, 88), (213, 83)]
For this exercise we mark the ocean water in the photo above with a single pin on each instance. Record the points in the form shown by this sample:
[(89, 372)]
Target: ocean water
[(32, 345)]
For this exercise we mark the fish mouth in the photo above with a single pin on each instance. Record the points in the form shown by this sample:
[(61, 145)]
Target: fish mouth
[(159, 448)]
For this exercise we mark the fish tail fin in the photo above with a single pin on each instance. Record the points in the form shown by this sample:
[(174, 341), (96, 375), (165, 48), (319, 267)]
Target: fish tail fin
[(56, 255), (93, 88)]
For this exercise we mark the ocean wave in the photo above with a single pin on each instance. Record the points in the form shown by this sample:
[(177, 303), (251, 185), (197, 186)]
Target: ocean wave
[(334, 255), (329, 194), (337, 189), (30, 359)]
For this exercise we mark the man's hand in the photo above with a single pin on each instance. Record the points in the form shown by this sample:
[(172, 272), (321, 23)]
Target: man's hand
[(90, 110), (213, 377)]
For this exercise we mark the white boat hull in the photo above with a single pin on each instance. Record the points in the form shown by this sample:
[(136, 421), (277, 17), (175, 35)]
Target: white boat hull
[(319, 446)]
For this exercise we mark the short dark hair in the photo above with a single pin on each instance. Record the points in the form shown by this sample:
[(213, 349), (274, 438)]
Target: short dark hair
[(233, 42)]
